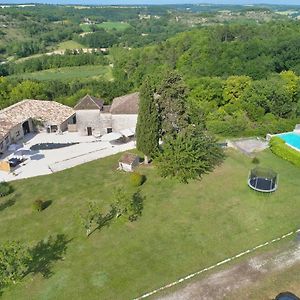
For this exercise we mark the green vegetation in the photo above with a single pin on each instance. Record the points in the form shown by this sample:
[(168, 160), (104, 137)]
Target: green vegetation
[(252, 88), (14, 89), (147, 130), (38, 205), (119, 26), (255, 160), (281, 149), (5, 189), (67, 73), (137, 179), (69, 45), (14, 262), (188, 155), (177, 221), (44, 62)]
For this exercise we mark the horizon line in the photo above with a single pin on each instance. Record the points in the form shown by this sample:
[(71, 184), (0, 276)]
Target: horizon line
[(155, 4)]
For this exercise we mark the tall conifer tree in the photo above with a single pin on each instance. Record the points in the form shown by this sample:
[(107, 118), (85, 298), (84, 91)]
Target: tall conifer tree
[(147, 131)]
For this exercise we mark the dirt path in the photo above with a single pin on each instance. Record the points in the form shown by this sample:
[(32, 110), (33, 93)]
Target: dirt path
[(219, 285)]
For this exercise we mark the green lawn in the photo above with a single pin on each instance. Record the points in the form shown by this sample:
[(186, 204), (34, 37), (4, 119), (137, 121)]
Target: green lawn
[(119, 26), (67, 73), (184, 228)]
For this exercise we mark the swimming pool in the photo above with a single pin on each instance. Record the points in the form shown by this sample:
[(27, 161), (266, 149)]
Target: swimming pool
[(291, 138)]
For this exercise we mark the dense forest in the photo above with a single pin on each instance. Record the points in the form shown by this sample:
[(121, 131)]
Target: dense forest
[(242, 77)]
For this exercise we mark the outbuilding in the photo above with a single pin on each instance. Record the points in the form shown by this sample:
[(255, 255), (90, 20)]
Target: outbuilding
[(129, 162)]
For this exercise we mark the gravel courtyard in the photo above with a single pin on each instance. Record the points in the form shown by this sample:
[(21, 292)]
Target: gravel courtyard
[(45, 162)]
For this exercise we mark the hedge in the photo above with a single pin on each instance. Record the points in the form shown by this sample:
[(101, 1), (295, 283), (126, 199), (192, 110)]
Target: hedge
[(281, 149)]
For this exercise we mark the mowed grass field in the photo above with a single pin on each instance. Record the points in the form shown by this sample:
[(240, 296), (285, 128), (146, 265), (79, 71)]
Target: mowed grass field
[(68, 73), (183, 228), (119, 26)]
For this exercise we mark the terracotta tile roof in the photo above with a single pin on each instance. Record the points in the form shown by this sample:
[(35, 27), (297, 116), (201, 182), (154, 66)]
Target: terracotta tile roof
[(5, 127), (89, 102), (50, 112), (128, 158), (128, 104)]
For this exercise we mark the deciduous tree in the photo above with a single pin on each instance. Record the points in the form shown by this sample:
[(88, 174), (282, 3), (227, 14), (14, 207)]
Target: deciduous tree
[(189, 155)]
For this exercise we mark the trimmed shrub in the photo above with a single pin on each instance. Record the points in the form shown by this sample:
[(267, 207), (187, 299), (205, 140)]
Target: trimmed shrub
[(38, 205), (281, 149), (5, 189), (137, 179), (255, 160)]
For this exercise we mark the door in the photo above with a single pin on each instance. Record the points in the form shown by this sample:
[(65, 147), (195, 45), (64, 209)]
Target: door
[(26, 128), (89, 131)]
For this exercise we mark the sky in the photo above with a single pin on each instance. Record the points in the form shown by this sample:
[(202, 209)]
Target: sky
[(141, 2)]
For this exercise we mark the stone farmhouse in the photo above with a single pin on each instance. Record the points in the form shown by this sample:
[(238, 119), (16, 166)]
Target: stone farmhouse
[(95, 118), (22, 118), (89, 117)]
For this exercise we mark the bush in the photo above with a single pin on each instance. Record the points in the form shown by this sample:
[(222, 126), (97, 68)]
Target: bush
[(137, 179), (279, 148), (38, 205), (255, 160), (5, 189)]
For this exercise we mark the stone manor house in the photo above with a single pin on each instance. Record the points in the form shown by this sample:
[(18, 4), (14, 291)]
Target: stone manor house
[(95, 118), (89, 117)]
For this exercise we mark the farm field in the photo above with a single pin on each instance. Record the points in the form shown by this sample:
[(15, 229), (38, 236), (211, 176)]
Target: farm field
[(68, 73), (69, 45), (183, 228), (119, 26)]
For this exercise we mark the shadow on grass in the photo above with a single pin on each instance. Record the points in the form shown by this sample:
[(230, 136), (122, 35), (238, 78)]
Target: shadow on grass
[(47, 204), (7, 203), (46, 252)]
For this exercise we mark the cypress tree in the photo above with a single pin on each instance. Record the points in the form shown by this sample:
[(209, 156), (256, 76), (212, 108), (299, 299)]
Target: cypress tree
[(147, 131), (172, 104)]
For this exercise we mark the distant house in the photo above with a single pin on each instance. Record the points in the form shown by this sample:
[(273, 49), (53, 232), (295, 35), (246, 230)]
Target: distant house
[(95, 118), (21, 118), (129, 162)]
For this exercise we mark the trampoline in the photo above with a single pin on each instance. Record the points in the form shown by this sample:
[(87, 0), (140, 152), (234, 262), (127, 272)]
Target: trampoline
[(263, 180), (286, 296)]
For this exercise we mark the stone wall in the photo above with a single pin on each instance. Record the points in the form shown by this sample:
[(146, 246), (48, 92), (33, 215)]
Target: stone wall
[(100, 122), (120, 122), (88, 118)]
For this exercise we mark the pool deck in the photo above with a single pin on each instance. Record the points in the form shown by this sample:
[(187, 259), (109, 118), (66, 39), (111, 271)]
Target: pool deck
[(45, 162), (248, 146)]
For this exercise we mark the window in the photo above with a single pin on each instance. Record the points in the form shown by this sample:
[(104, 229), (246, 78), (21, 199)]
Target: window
[(109, 129), (53, 128)]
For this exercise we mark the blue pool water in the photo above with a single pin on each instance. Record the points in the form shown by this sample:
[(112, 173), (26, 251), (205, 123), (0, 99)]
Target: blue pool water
[(291, 138)]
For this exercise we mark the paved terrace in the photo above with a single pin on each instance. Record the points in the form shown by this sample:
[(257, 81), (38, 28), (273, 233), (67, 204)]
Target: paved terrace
[(49, 161)]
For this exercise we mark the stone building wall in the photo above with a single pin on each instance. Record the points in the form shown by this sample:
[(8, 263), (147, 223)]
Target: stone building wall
[(120, 122), (88, 118)]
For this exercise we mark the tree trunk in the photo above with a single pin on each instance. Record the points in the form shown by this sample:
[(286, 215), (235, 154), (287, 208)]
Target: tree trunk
[(146, 160)]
